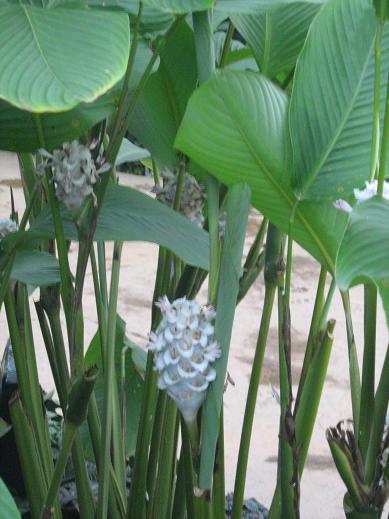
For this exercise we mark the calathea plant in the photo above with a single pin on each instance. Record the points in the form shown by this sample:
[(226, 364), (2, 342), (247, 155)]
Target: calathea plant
[(280, 105)]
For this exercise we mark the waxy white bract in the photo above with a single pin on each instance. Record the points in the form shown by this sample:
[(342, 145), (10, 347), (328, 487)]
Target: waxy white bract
[(192, 195), (361, 195), (6, 226), (184, 350), (74, 172)]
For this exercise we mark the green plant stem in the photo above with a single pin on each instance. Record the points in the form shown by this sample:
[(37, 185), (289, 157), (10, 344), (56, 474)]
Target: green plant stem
[(66, 277), (31, 466), (314, 328), (375, 145), (160, 503), (102, 275), (155, 446), (116, 500), (384, 145), (67, 442), (23, 348), (219, 490), (272, 259), (136, 500), (179, 505), (355, 378), (227, 45), (191, 503), (368, 371), (286, 441), (127, 76), (118, 410), (256, 246), (7, 270), (213, 218), (109, 381), (310, 391), (310, 396), (114, 144), (378, 424), (51, 308), (241, 470), (204, 43)]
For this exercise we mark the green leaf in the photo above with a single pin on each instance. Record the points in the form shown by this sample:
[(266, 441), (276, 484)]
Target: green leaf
[(134, 384), (236, 126), (331, 110), (276, 38), (129, 152), (5, 427), (162, 104), (238, 203), (36, 268), (53, 59), (128, 215), (8, 508), (180, 6), (18, 130), (364, 252), (256, 6)]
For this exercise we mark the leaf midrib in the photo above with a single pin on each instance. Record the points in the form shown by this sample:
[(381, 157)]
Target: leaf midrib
[(41, 52), (342, 123), (279, 188)]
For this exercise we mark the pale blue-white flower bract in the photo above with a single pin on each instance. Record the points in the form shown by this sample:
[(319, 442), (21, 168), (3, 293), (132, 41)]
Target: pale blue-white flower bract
[(191, 199), (361, 195), (74, 172), (6, 226), (184, 350)]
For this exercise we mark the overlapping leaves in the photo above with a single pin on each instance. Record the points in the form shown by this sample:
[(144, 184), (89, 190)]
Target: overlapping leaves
[(364, 252), (236, 126), (331, 111), (19, 130), (277, 36)]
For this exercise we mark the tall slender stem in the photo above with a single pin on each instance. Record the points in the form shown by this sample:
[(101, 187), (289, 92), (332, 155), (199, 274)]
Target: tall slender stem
[(109, 380), (241, 470), (368, 371), (127, 76), (355, 378), (375, 145), (227, 44)]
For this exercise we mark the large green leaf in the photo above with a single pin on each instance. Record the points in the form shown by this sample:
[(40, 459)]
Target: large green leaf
[(18, 128), (8, 508), (134, 383), (276, 38), (53, 59), (129, 152), (364, 252), (236, 126), (332, 103), (255, 6), (128, 215), (238, 204), (153, 19), (36, 268), (180, 6), (162, 103)]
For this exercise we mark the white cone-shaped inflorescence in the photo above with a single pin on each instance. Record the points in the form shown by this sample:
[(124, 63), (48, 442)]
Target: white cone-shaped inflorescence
[(361, 195), (6, 226), (74, 172), (192, 195), (184, 351)]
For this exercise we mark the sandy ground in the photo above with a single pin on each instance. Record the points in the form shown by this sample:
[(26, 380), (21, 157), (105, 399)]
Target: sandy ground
[(321, 488)]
